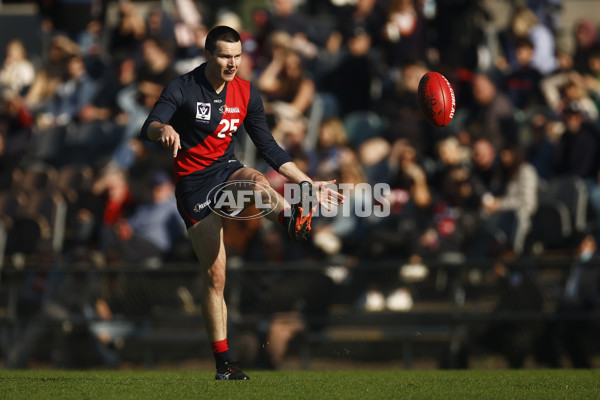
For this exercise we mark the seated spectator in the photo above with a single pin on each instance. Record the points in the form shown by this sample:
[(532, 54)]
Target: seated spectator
[(586, 42), (71, 95), (520, 182), (16, 123), (57, 123), (17, 72), (398, 106), (160, 28), (577, 153), (540, 149), (102, 121), (129, 32), (285, 17), (574, 92), (403, 33), (577, 150), (157, 64), (525, 25), (330, 143), (410, 205), (190, 35), (522, 85), (52, 73), (152, 231), (136, 100), (486, 176), (366, 14), (592, 78), (357, 64), (489, 115), (288, 89), (450, 155)]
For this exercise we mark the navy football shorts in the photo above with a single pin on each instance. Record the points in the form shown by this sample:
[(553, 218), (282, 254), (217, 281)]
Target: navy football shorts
[(193, 192)]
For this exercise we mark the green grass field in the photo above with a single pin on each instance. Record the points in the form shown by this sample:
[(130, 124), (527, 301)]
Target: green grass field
[(359, 384)]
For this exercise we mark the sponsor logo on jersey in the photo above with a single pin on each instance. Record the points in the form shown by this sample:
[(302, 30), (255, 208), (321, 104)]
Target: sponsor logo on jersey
[(202, 111), (229, 110), (200, 206), (217, 101)]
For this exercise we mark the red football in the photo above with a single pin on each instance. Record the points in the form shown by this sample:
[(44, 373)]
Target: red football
[(436, 99)]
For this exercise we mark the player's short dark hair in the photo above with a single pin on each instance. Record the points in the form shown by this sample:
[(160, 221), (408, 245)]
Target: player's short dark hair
[(221, 32)]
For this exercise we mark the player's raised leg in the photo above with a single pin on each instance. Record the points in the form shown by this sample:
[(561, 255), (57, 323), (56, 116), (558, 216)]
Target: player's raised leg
[(298, 217), (207, 240)]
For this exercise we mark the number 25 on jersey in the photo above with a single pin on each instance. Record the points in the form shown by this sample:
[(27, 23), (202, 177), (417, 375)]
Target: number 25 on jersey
[(229, 127)]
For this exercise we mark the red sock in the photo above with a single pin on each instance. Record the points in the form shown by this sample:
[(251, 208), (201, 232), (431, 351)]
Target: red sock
[(220, 352), (220, 346)]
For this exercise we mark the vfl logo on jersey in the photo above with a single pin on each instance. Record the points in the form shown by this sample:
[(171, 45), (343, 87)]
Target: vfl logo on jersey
[(202, 111), (229, 110)]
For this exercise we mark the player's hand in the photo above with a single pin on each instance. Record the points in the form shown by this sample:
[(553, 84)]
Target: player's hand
[(326, 195), (169, 138)]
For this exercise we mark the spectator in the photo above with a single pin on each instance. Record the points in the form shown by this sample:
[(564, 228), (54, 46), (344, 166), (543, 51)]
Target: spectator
[(490, 117), (160, 28), (356, 66), (592, 79), (522, 85), (458, 18), (156, 63), (71, 95), (586, 42), (75, 19), (540, 150), (403, 33), (111, 200), (577, 150), (15, 133), (410, 205), (153, 229), (52, 73), (331, 141), (127, 36), (57, 123), (17, 72), (103, 121), (486, 175), (581, 294), (455, 217), (577, 153), (401, 111), (190, 34), (525, 25), (135, 101), (368, 15), (563, 93), (520, 187), (288, 89), (284, 17)]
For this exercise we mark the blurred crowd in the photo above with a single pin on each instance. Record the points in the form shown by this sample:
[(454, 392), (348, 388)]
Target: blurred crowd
[(339, 82), (515, 173)]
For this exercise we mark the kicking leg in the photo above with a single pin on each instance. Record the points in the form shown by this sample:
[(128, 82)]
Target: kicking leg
[(296, 220)]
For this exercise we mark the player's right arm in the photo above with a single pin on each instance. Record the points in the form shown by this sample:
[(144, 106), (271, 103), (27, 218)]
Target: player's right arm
[(165, 134), (156, 128)]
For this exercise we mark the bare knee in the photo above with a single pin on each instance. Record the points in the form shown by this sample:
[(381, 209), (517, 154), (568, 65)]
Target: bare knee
[(215, 278), (260, 180)]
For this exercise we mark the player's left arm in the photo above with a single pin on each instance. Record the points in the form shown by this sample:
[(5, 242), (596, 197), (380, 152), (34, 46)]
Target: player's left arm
[(326, 195), (258, 130)]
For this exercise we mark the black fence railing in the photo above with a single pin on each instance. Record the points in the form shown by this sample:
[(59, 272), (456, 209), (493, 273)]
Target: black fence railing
[(545, 310)]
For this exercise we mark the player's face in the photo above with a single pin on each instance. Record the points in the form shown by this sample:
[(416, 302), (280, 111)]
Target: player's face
[(225, 60)]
